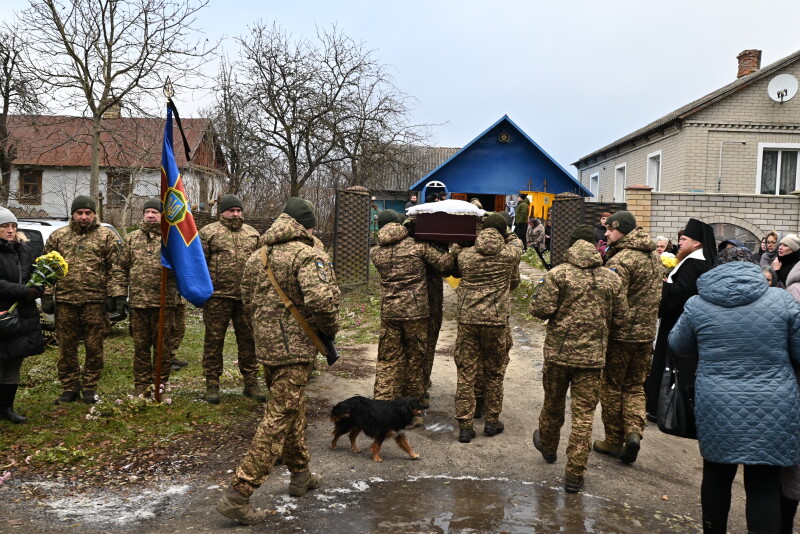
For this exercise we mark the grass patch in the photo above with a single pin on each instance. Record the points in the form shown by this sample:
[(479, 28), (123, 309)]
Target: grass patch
[(360, 312), (531, 258), (521, 301)]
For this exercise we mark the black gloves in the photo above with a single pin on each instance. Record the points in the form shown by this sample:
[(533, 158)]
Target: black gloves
[(29, 294), (48, 305)]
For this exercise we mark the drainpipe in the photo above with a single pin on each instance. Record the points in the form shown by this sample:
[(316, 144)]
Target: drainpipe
[(719, 174)]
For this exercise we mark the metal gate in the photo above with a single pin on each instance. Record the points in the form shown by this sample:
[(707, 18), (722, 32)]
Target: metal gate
[(351, 237)]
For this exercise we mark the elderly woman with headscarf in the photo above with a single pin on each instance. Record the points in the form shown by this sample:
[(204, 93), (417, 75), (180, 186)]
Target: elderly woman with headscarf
[(16, 265), (697, 253)]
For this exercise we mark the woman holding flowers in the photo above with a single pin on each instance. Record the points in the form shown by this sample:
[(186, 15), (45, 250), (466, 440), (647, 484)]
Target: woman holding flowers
[(24, 337)]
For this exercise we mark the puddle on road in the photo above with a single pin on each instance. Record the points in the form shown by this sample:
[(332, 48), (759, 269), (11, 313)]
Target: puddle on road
[(466, 505)]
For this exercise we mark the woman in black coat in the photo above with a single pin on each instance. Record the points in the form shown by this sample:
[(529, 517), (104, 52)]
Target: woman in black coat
[(16, 261), (697, 252)]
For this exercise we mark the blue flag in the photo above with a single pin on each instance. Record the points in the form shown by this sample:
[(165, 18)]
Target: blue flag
[(181, 249)]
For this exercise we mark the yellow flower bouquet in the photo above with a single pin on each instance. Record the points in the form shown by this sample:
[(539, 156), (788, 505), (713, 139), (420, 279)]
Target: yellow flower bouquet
[(669, 261), (47, 270)]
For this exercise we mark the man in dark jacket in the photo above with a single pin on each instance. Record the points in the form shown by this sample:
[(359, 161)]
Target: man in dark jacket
[(631, 255), (521, 218), (696, 256), (572, 298)]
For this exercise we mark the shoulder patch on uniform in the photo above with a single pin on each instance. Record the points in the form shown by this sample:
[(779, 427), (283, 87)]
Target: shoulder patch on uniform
[(321, 272)]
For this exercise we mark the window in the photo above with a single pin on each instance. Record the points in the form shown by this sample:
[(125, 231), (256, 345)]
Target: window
[(777, 168), (118, 187), (654, 170), (619, 183), (30, 187), (594, 186)]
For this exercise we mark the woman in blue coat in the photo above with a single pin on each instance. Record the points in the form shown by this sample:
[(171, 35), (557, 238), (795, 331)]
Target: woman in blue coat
[(747, 403)]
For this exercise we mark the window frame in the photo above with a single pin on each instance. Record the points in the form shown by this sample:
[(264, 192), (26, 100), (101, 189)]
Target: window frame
[(650, 157), (617, 168), (780, 147), (27, 199), (594, 179)]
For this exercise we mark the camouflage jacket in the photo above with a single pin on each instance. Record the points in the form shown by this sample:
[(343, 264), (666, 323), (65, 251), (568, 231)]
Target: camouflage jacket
[(90, 253), (137, 272), (303, 273), (227, 249), (584, 302), (639, 268), (401, 263), (488, 272)]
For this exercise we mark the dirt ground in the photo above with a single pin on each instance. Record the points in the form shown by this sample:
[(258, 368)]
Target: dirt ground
[(662, 486)]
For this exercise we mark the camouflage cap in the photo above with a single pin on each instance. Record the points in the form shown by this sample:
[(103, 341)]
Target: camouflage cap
[(153, 203), (584, 232), (622, 220), (82, 202)]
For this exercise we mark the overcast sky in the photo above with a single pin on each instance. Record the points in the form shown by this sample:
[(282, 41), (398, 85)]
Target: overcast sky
[(575, 75)]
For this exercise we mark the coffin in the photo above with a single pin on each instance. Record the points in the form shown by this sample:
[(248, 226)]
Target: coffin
[(450, 221)]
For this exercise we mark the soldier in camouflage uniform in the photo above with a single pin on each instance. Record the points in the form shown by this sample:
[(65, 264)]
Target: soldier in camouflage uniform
[(137, 279), (583, 303), (401, 263), (435, 286), (177, 336), (82, 298), (227, 244), (631, 255), (286, 351), (484, 306)]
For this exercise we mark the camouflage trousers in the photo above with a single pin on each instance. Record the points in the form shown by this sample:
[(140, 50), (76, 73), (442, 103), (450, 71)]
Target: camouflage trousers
[(480, 347), (75, 323), (584, 388), (401, 352), (480, 380), (434, 326), (217, 314), (144, 332), (179, 330), (281, 431), (622, 391)]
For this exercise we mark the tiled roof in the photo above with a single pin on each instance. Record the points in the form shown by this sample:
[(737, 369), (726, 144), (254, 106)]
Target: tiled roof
[(60, 141), (699, 104)]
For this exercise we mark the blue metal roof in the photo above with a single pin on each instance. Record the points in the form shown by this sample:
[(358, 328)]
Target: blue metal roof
[(489, 165)]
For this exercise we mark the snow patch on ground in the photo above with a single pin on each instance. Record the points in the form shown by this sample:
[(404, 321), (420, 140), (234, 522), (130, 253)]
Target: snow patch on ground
[(115, 509)]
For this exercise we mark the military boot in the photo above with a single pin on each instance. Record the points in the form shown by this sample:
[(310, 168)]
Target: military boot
[(492, 429), (302, 481), (90, 396), (425, 401), (573, 483), (236, 506), (252, 390), (605, 447), (632, 447), (212, 393), (537, 442), (465, 435), (68, 396), (479, 404)]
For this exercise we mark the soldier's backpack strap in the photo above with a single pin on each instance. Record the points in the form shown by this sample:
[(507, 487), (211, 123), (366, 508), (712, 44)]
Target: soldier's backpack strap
[(292, 308)]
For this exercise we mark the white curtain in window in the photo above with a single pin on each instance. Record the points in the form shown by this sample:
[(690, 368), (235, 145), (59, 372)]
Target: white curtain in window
[(788, 171), (769, 172)]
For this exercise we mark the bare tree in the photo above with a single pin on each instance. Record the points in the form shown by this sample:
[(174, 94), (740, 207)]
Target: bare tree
[(18, 94), (95, 55)]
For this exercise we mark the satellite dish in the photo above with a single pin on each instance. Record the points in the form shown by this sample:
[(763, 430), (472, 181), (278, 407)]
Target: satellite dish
[(782, 87)]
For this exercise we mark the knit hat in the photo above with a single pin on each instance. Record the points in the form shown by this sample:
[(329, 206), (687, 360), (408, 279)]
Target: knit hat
[(82, 202), (300, 210), (388, 216), (792, 241), (229, 201), (152, 203), (7, 217), (624, 221), (584, 232), (496, 221)]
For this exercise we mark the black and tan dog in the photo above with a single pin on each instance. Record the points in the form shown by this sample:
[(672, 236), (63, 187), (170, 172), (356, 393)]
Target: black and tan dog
[(378, 419)]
